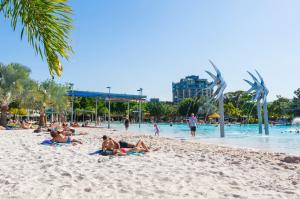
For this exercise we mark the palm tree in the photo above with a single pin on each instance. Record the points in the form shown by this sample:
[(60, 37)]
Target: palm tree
[(55, 97), (35, 98), (47, 24), (12, 79)]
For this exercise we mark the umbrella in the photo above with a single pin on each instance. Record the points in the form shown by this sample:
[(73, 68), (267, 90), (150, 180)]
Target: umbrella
[(214, 116)]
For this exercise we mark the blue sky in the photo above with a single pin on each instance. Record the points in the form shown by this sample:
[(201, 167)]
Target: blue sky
[(128, 44)]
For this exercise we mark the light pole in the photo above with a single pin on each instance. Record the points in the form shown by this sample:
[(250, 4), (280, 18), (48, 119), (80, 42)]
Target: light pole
[(140, 106), (108, 124), (96, 113), (71, 85)]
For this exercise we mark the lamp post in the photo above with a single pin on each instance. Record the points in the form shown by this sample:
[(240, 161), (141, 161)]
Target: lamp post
[(128, 110), (72, 112), (140, 106), (96, 113), (108, 124)]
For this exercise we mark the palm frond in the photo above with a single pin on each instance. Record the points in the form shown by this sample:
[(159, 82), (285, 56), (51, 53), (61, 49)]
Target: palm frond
[(47, 24)]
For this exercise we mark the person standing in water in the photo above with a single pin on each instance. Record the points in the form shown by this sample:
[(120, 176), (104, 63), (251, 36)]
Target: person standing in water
[(126, 123), (156, 129), (192, 121)]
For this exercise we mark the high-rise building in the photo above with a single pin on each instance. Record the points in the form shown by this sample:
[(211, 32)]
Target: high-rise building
[(154, 100), (190, 86)]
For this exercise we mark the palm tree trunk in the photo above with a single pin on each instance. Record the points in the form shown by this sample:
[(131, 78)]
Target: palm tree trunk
[(4, 109)]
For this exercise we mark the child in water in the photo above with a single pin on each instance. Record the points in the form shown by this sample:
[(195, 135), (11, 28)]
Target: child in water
[(156, 129)]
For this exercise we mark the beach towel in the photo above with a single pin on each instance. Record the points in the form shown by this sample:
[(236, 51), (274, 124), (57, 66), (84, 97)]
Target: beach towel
[(96, 152), (135, 153), (51, 143), (101, 152)]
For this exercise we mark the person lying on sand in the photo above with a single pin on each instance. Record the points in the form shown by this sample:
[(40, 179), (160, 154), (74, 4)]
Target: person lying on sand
[(60, 138), (25, 125), (111, 147), (109, 144), (75, 124)]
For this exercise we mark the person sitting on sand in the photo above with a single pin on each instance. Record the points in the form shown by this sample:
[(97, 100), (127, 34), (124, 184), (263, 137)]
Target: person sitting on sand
[(25, 125), (60, 138)]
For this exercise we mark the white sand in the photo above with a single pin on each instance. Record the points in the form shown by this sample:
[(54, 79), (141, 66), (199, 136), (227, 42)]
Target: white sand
[(181, 169)]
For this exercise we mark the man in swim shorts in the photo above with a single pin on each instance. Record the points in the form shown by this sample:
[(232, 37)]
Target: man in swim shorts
[(112, 147), (192, 121)]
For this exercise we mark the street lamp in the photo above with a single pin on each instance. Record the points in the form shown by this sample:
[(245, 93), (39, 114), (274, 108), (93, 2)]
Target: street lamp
[(108, 125), (71, 85), (140, 106)]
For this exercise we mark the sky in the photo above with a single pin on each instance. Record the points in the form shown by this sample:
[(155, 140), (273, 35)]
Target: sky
[(131, 44)]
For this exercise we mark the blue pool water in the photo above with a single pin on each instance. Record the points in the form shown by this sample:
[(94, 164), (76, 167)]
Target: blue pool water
[(281, 138)]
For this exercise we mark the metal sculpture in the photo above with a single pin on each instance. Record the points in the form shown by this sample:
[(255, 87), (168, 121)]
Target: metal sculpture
[(261, 94), (219, 82)]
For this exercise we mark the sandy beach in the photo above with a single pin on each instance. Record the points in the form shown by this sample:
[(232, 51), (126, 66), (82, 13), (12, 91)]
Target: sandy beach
[(180, 169)]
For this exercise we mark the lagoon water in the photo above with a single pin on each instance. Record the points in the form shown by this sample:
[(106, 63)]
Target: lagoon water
[(281, 139)]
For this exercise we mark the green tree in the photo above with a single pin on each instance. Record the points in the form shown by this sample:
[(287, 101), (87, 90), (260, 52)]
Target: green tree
[(185, 107), (296, 99), (231, 110), (56, 97), (47, 24), (169, 111), (155, 109), (12, 78), (202, 106), (206, 106), (278, 108), (242, 102)]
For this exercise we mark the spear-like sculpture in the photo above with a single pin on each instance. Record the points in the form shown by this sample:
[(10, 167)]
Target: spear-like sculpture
[(265, 93), (255, 86), (219, 82), (261, 94)]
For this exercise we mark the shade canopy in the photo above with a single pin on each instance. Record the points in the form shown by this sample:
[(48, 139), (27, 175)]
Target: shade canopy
[(214, 116), (102, 95)]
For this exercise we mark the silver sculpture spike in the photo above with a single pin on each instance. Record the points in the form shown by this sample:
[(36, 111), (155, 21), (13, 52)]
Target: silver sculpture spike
[(218, 82), (261, 94)]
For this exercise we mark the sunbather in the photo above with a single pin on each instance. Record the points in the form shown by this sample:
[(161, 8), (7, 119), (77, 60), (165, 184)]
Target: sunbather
[(112, 147), (25, 125), (60, 138), (75, 124)]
